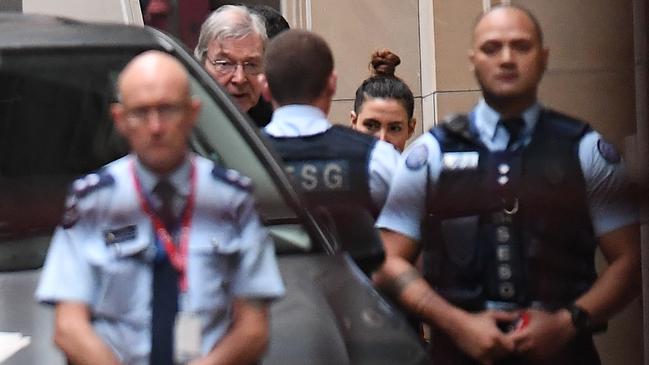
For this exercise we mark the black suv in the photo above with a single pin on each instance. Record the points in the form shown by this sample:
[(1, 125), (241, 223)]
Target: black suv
[(56, 83)]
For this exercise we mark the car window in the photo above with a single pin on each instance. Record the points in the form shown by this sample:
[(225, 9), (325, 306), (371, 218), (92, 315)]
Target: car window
[(55, 125), (217, 138)]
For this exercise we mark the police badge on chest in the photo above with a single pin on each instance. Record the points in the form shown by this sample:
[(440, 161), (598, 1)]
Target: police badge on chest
[(460, 160)]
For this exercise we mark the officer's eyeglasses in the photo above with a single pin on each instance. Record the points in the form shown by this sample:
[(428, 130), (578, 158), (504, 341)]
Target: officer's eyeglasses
[(164, 112), (226, 67)]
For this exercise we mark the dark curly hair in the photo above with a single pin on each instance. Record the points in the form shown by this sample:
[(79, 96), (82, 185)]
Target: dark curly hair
[(384, 84)]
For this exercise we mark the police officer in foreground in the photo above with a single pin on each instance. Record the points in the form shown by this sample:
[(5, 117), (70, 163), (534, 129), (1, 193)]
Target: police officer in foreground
[(515, 198), (334, 165), (161, 256)]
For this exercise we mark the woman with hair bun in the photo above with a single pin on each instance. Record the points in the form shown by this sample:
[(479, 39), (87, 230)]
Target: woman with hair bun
[(384, 104)]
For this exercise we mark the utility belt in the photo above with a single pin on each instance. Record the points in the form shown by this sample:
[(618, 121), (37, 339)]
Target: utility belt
[(535, 305), (511, 307), (479, 303)]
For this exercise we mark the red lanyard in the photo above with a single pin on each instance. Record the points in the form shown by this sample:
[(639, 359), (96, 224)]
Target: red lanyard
[(177, 254)]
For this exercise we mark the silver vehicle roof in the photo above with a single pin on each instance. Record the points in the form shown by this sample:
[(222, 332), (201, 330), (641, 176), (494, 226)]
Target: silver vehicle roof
[(18, 31)]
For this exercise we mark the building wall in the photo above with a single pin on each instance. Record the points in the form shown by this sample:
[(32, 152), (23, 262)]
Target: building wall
[(590, 74), (355, 29)]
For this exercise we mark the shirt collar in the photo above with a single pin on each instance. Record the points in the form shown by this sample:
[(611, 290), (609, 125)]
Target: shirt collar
[(486, 119), (297, 121), (179, 177)]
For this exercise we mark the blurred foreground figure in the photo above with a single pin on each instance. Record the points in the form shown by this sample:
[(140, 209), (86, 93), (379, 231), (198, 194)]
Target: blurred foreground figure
[(515, 198), (161, 256)]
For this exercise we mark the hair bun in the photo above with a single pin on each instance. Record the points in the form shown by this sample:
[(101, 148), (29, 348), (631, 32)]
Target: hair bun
[(384, 63)]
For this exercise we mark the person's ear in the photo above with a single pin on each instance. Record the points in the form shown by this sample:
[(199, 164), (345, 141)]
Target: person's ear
[(411, 127), (353, 118), (193, 110), (545, 53), (117, 112), (471, 55), (332, 83), (265, 89)]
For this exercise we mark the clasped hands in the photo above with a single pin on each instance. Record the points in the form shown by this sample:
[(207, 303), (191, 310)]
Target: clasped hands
[(536, 335)]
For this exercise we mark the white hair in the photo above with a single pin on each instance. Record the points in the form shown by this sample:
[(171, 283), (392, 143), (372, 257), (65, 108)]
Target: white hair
[(228, 21)]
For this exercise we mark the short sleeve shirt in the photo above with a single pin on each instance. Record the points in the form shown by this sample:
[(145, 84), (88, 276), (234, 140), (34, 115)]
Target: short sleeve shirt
[(102, 256), (306, 120), (610, 203)]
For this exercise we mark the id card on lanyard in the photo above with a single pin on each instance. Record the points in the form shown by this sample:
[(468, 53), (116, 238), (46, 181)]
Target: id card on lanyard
[(187, 328)]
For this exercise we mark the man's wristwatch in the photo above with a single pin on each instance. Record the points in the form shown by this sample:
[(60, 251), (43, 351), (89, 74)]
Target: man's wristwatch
[(582, 321)]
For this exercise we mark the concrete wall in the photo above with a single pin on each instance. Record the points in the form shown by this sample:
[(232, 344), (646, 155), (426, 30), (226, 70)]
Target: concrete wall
[(355, 29)]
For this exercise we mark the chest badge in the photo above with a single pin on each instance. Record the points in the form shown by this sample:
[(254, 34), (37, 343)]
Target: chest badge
[(460, 160), (118, 235)]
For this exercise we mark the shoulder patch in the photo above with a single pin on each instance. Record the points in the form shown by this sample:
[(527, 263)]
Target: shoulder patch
[(91, 182), (81, 187), (232, 177), (417, 157), (608, 151)]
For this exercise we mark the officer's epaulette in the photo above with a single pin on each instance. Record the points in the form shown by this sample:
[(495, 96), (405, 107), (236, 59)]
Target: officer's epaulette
[(458, 125), (91, 182), (232, 177), (563, 124)]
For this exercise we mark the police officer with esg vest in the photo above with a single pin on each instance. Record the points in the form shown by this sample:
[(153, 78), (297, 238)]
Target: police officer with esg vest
[(334, 165), (515, 198)]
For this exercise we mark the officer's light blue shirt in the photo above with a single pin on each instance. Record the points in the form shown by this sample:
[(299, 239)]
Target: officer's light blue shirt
[(307, 120), (610, 205), (103, 258)]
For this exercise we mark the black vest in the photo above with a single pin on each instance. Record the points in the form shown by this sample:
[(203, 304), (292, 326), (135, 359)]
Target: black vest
[(510, 227), (332, 167)]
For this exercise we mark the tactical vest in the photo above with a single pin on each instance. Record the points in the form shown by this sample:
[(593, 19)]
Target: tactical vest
[(331, 167), (510, 227)]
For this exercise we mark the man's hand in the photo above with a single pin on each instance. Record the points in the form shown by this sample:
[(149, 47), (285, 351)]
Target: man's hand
[(545, 335), (75, 336), (247, 338), (478, 335)]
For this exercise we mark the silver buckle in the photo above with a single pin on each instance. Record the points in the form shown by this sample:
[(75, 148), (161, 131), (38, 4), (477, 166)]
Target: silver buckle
[(513, 209)]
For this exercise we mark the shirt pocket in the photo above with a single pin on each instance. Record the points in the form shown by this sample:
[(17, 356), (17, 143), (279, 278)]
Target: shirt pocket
[(211, 269), (124, 281)]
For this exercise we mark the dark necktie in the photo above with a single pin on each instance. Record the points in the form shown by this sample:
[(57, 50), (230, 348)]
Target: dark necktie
[(165, 286), (514, 127), (166, 193)]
